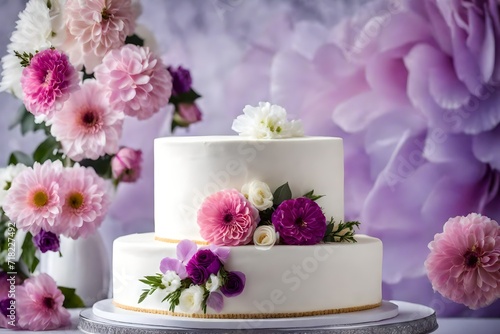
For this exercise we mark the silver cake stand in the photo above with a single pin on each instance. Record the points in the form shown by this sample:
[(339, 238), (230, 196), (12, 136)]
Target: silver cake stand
[(394, 317)]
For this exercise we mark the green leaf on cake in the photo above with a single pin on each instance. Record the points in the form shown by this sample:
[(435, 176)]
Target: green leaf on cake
[(282, 194), (312, 196), (28, 253), (71, 299), (341, 232)]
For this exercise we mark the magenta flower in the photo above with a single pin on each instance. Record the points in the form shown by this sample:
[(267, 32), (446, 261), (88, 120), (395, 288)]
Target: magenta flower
[(39, 304), (126, 165), (46, 241), (299, 221), (201, 265), (464, 263), (138, 82), (86, 199), (185, 251), (93, 28), (187, 113), (227, 218), (33, 201), (234, 285), (47, 82), (181, 80), (87, 126)]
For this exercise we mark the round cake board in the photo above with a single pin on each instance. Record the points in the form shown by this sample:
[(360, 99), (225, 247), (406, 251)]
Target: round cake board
[(393, 316)]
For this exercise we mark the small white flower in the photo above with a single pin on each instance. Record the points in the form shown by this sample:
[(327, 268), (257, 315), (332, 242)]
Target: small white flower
[(191, 299), (265, 237), (171, 280), (213, 283), (259, 194), (7, 175), (266, 121)]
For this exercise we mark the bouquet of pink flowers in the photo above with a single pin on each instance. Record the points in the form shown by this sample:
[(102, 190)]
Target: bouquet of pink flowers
[(80, 68)]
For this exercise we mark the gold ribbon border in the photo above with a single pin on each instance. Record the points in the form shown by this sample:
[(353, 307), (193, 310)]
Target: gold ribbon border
[(176, 241)]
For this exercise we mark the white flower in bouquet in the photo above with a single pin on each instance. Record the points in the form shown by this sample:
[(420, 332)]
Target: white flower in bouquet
[(213, 283), (259, 194), (265, 237), (191, 299), (7, 175), (171, 280), (266, 121)]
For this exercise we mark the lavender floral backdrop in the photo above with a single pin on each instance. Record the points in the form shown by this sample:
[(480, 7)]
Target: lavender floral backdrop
[(412, 87)]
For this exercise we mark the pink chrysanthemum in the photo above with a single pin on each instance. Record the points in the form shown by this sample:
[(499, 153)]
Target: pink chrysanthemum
[(85, 201), (227, 218), (139, 83), (95, 27), (464, 263), (39, 304), (47, 83), (33, 200), (87, 126)]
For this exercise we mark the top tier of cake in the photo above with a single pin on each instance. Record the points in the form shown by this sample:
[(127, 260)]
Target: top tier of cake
[(188, 169)]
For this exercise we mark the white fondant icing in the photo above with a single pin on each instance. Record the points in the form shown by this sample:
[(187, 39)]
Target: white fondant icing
[(278, 280), (187, 169)]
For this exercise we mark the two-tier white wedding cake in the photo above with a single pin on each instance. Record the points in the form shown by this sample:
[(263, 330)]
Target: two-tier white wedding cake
[(241, 230)]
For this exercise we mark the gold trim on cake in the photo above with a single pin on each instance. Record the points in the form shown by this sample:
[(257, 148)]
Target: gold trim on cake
[(176, 241), (249, 316)]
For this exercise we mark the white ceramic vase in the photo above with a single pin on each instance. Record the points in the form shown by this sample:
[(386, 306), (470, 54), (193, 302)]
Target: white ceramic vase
[(84, 265)]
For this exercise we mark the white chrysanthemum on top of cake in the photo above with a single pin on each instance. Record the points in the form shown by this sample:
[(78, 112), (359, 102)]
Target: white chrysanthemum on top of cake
[(267, 121)]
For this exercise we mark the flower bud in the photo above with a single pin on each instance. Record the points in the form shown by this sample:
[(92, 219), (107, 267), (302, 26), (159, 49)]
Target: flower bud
[(126, 165)]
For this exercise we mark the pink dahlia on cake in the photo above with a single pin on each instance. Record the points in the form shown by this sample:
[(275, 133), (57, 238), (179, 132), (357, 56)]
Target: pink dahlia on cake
[(87, 126), (227, 218), (85, 201), (138, 81), (464, 263), (95, 27), (33, 201), (47, 82), (39, 304)]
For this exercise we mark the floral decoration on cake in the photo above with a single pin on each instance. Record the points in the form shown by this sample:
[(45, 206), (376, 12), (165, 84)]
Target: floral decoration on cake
[(195, 280), (256, 214), (266, 121)]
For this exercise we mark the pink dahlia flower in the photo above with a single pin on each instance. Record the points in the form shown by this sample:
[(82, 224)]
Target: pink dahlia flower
[(85, 201), (33, 200), (95, 27), (139, 83), (87, 126), (47, 83), (39, 304), (126, 165), (464, 263), (227, 218)]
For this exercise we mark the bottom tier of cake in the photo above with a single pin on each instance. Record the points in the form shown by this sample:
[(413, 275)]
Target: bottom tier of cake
[(283, 281)]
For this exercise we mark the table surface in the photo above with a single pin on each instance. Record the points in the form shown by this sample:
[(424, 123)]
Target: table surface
[(446, 326)]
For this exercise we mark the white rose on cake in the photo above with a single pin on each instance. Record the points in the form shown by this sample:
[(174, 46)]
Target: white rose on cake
[(266, 121), (191, 298), (265, 237), (213, 283), (171, 281), (259, 194)]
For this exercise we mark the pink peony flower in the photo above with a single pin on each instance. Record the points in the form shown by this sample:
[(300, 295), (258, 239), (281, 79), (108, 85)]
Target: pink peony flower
[(47, 82), (87, 126), (227, 218), (95, 27), (139, 83), (39, 304), (464, 263), (85, 201), (126, 165), (33, 201)]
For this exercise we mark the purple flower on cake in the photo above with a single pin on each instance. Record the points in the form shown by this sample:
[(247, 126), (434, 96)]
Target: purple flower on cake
[(46, 241), (234, 285), (299, 221), (215, 301), (187, 113), (464, 263), (126, 165), (33, 200), (207, 259), (138, 82), (47, 82), (39, 303), (181, 80), (87, 126), (85, 200), (227, 218), (93, 28)]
